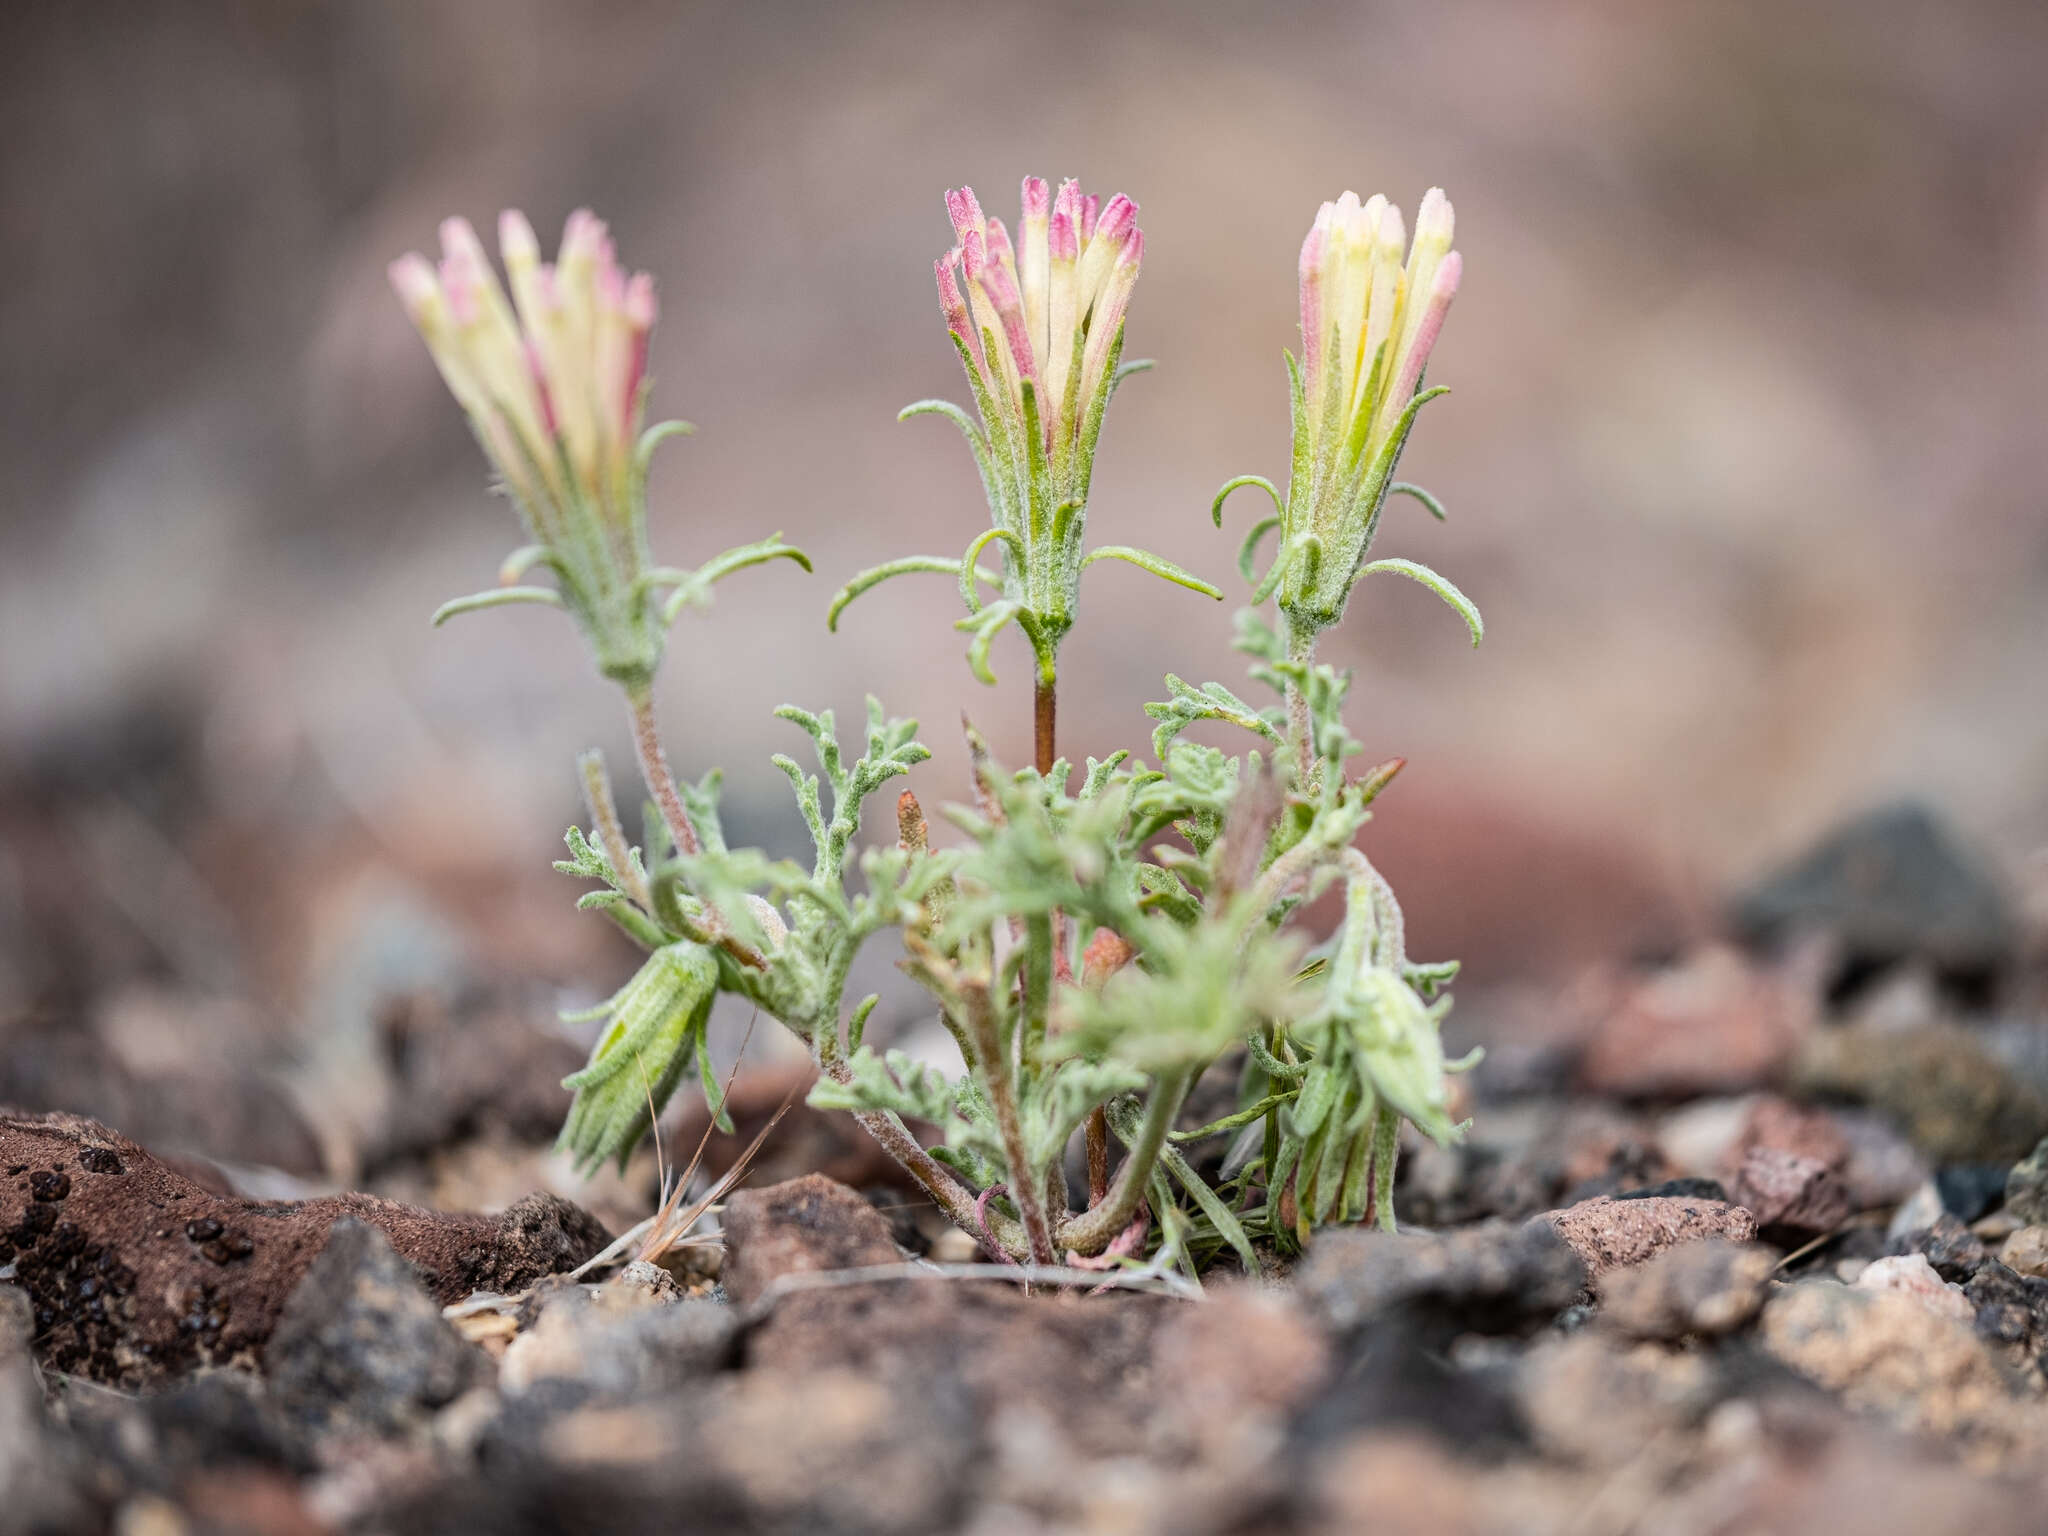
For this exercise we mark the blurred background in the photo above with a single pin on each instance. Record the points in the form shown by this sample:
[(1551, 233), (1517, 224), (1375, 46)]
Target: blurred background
[(1745, 463)]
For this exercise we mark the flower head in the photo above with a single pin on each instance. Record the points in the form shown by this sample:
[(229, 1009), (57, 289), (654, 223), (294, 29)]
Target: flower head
[(554, 381), (553, 386), (1039, 326), (1047, 311), (1372, 305)]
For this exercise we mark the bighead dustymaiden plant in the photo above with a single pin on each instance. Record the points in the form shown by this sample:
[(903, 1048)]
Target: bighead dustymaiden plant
[(1094, 949)]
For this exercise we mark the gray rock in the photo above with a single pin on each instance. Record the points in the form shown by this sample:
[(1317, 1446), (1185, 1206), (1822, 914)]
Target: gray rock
[(1956, 1100), (1952, 1248), (2026, 1187), (620, 1354), (1891, 885), (362, 1346), (1919, 1211), (1497, 1277)]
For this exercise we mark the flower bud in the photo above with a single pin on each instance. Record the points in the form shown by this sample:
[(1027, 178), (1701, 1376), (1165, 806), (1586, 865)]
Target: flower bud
[(654, 1030), (1369, 320)]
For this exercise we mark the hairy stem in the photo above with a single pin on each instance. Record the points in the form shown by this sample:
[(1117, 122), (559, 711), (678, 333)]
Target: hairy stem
[(655, 770), (893, 1137), (604, 820), (1002, 1098), (1094, 1230), (1044, 720), (1301, 648)]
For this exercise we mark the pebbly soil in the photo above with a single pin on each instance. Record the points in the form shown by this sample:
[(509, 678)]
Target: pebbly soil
[(1751, 1240)]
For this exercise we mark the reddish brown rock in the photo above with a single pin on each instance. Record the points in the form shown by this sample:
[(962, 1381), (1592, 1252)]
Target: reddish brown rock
[(1801, 1129), (1797, 1195), (137, 1273), (1609, 1234), (810, 1223), (1715, 1024)]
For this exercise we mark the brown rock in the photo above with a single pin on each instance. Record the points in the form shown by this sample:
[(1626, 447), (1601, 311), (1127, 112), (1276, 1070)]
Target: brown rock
[(141, 1273), (1081, 1362), (810, 1223), (1705, 1288), (1890, 1354), (2026, 1251), (1786, 1192), (1715, 1024), (1610, 1234)]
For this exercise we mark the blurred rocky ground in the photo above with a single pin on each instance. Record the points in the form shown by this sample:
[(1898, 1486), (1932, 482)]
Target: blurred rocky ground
[(1743, 462)]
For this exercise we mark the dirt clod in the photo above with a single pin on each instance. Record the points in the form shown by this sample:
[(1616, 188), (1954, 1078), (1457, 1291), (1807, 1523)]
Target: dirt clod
[(143, 1277)]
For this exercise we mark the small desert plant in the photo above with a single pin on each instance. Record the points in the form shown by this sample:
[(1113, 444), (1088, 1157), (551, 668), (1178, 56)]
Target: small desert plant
[(1093, 948)]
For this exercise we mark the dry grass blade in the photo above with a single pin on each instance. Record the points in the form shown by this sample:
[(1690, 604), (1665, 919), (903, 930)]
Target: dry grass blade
[(667, 1232)]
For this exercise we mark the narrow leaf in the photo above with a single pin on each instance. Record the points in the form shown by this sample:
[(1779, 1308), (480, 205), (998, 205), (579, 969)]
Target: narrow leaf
[(875, 575), (500, 597), (1157, 565), (1436, 508), (1440, 586)]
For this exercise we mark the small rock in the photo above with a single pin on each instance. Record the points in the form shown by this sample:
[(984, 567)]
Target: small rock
[(1970, 1190), (2026, 1187), (1496, 1277), (978, 1349), (1893, 1355), (2009, 1308), (1788, 1193), (2026, 1251), (1715, 1024), (1952, 1248), (1921, 1210), (1708, 1288), (812, 1223), (1957, 1101), (362, 1346), (1611, 1234), (641, 1284), (1910, 1274), (1891, 885)]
